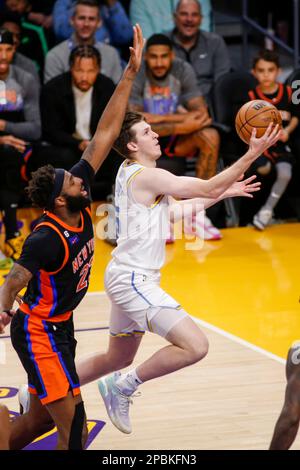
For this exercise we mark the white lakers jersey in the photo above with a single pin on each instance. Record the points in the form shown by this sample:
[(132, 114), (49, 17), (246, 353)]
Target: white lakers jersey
[(141, 230)]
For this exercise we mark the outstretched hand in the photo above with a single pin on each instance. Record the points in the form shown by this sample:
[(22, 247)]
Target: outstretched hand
[(270, 137), (243, 188), (136, 52)]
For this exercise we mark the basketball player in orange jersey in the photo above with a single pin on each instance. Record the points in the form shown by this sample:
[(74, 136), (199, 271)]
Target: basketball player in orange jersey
[(266, 70), (144, 196), (288, 422), (55, 266)]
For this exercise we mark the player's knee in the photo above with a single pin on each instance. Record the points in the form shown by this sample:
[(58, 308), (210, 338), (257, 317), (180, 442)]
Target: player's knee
[(198, 350)]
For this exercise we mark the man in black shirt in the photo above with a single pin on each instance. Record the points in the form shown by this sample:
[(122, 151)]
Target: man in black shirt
[(71, 106), (55, 264)]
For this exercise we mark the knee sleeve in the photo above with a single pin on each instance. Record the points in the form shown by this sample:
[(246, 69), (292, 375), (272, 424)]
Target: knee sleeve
[(75, 439), (162, 319)]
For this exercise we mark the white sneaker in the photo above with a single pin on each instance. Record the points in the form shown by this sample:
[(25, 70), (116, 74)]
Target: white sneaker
[(116, 403), (24, 399), (262, 218), (202, 227)]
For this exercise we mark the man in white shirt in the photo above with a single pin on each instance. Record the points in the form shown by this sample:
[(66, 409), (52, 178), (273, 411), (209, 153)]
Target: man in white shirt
[(85, 21)]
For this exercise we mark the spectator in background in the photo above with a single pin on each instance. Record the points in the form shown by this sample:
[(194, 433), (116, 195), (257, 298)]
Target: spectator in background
[(41, 13), (165, 91), (19, 125), (72, 105), (114, 26), (85, 21), (33, 42), (12, 23), (205, 51), (266, 69), (156, 16)]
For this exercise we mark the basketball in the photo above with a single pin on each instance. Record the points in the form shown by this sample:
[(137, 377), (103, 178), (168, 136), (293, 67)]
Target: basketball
[(258, 114)]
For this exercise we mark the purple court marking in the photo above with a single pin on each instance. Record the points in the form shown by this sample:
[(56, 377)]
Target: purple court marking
[(8, 392), (49, 442), (80, 330)]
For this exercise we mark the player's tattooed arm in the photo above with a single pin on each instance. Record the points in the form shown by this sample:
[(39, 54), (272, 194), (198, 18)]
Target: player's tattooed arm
[(16, 280)]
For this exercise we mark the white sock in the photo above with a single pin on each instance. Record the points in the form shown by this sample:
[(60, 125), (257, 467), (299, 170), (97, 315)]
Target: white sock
[(128, 383)]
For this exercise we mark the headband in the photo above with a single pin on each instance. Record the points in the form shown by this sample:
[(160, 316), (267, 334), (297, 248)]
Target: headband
[(58, 184)]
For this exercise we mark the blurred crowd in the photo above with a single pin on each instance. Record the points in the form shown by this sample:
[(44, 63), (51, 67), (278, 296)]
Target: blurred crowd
[(59, 64)]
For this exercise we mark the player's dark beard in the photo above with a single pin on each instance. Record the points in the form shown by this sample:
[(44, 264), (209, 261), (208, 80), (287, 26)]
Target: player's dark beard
[(76, 203)]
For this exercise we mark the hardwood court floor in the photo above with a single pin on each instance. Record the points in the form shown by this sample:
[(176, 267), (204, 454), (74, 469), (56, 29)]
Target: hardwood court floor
[(244, 291)]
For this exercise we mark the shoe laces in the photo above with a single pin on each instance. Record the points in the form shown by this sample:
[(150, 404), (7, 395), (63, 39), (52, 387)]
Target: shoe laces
[(125, 401)]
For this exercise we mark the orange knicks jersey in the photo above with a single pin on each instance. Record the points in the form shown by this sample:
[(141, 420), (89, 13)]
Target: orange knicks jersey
[(57, 288)]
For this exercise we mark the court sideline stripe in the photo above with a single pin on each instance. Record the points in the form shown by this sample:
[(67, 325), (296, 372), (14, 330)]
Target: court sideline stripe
[(239, 340)]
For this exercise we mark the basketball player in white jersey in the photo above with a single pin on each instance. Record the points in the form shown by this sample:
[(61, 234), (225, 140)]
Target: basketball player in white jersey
[(143, 198)]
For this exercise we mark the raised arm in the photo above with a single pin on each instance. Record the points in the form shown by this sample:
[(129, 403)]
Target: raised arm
[(110, 124), (16, 280)]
